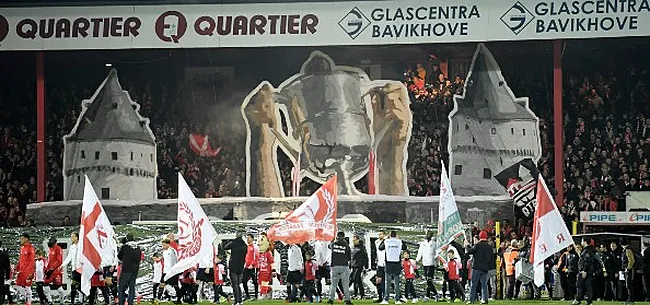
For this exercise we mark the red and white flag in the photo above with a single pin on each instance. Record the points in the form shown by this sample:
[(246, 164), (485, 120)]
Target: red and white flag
[(315, 219), (96, 237), (201, 146), (296, 178), (195, 232), (550, 234), (372, 173)]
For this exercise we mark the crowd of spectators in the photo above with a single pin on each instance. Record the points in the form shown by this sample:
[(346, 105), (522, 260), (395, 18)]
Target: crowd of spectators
[(607, 136)]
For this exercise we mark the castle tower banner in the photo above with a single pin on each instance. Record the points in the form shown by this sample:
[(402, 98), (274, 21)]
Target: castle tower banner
[(335, 115), (490, 130), (113, 145)]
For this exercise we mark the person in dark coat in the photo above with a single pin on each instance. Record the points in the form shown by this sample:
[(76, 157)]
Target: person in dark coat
[(483, 261), (359, 264), (130, 255), (588, 266), (238, 249), (5, 274)]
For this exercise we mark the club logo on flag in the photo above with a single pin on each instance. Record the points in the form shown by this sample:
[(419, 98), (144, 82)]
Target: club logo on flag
[(195, 232), (189, 232), (315, 219)]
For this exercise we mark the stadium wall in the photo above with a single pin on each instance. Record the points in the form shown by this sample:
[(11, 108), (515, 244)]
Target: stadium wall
[(380, 209)]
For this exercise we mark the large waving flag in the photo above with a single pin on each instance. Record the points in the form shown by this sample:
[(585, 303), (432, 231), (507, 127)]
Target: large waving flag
[(449, 225), (96, 236), (195, 232), (550, 234), (315, 219)]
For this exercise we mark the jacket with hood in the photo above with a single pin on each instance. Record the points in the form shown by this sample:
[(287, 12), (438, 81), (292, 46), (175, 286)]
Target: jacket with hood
[(340, 252), (359, 256)]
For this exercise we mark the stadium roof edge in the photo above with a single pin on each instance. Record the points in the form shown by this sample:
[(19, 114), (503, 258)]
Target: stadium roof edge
[(50, 3)]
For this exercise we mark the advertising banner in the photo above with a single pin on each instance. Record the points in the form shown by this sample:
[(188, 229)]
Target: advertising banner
[(317, 24), (615, 218)]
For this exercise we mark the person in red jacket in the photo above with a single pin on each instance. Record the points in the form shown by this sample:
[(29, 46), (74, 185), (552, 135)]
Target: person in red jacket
[(311, 267), (410, 268), (453, 267), (53, 272), (250, 266), (219, 280), (26, 268)]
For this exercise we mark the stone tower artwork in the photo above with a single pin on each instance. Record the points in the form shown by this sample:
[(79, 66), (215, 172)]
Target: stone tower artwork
[(113, 145), (490, 129)]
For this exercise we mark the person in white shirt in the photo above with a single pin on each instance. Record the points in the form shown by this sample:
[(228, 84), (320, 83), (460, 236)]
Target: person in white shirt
[(109, 267), (157, 277), (381, 267), (169, 260), (296, 265), (323, 256), (73, 259), (426, 254), (393, 247), (40, 277)]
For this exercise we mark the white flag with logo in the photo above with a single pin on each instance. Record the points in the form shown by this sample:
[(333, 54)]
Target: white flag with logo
[(550, 234), (195, 232), (96, 237), (449, 225)]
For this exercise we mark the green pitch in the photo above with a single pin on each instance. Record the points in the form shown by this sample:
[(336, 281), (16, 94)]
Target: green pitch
[(368, 302)]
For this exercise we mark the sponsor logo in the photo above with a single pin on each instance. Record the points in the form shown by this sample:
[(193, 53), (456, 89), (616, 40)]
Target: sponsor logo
[(517, 17), (354, 23), (171, 26), (639, 217)]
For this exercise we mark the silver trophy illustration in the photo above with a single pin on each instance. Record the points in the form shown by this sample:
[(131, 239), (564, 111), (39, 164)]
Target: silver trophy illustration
[(334, 116)]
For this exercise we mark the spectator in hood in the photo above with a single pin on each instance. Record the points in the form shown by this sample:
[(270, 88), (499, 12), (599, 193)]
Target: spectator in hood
[(483, 262), (130, 255)]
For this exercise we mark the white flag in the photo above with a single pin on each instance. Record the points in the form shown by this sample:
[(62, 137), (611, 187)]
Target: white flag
[(195, 232), (96, 237), (550, 234), (449, 225)]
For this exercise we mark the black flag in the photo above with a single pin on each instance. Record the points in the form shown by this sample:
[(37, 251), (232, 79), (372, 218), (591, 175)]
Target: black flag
[(520, 180)]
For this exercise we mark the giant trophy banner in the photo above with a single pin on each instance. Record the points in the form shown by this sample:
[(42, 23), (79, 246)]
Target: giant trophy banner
[(335, 116)]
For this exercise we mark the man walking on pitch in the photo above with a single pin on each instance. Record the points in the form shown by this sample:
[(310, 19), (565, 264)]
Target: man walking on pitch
[(130, 255), (426, 254), (238, 250), (483, 262), (341, 255), (393, 247), (26, 268)]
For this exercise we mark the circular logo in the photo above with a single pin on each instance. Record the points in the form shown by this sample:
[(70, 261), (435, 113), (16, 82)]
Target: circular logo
[(171, 26), (4, 28)]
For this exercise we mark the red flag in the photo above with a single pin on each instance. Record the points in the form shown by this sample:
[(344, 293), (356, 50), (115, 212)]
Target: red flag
[(315, 219), (201, 146), (550, 234), (372, 173)]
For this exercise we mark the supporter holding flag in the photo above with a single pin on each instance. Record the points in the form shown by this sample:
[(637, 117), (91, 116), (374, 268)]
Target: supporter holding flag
[(71, 259)]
